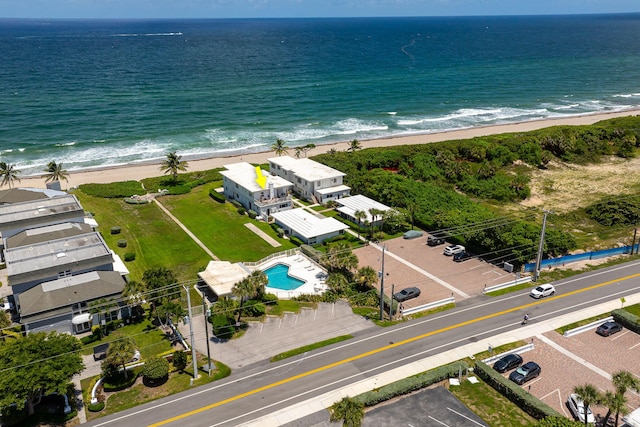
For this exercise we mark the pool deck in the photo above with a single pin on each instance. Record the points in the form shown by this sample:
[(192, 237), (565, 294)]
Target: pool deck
[(301, 268)]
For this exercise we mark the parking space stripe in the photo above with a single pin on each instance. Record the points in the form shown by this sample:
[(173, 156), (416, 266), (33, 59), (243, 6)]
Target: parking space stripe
[(467, 418), (573, 356)]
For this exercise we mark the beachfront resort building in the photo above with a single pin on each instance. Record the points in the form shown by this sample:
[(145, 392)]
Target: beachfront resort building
[(373, 210), (311, 180), (309, 228), (240, 182)]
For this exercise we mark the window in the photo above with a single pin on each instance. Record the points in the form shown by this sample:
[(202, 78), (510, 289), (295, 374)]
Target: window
[(83, 327), (111, 315), (65, 273)]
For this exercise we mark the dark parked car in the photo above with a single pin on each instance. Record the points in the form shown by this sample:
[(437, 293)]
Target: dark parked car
[(608, 328), (462, 256), (436, 239), (406, 294), (508, 362), (524, 373)]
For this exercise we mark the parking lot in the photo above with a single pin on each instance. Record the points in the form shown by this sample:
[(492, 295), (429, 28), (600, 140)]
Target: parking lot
[(413, 263), (586, 358)]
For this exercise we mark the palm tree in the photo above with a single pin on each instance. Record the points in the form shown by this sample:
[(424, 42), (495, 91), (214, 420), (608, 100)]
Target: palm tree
[(55, 172), (308, 147), (589, 395), (298, 152), (337, 282), (366, 276), (625, 380), (280, 147), (354, 145), (374, 216), (616, 404), (359, 216), (250, 287), (172, 164), (9, 174), (349, 411), (120, 352)]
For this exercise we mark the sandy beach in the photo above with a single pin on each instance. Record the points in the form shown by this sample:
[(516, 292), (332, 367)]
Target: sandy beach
[(141, 171)]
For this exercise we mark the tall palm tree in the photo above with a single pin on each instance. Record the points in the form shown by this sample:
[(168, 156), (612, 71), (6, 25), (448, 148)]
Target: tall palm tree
[(280, 147), (349, 411), (308, 147), (250, 287), (9, 173), (589, 395), (55, 172), (625, 380), (354, 145), (616, 403), (374, 217), (172, 164), (337, 282), (359, 216)]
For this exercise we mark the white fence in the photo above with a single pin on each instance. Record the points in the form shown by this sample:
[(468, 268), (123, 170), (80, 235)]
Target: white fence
[(289, 252), (515, 282), (518, 350), (584, 328), (428, 306)]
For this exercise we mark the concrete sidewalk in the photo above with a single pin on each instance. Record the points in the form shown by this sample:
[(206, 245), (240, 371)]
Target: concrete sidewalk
[(278, 334)]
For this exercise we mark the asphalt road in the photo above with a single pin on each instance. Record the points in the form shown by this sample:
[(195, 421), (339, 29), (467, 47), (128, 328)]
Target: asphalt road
[(260, 390)]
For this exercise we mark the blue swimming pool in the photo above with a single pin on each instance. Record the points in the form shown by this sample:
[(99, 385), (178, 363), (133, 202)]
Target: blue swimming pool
[(279, 278)]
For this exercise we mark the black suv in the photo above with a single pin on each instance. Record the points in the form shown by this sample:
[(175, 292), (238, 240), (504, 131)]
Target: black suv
[(526, 372), (436, 239), (461, 256), (508, 362)]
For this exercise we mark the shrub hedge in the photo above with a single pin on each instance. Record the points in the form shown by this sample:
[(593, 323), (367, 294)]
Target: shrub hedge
[(218, 197), (241, 210), (627, 320), (130, 256), (407, 385), (96, 407), (252, 214), (113, 190), (296, 241), (236, 203), (515, 393)]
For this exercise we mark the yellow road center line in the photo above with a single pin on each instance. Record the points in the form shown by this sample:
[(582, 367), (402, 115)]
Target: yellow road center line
[(385, 348)]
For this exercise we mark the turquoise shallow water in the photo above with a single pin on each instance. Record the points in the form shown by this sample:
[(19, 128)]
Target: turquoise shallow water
[(279, 278), (100, 93)]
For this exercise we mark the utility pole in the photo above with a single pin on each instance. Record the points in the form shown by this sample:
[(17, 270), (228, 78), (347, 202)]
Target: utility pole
[(206, 334), (382, 287), (194, 357), (536, 273), (633, 244)]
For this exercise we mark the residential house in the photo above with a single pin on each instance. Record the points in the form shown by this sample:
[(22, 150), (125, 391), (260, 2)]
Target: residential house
[(348, 207), (240, 183), (312, 181), (65, 304), (309, 228)]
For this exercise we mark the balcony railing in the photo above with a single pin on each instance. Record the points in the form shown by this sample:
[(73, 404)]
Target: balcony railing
[(273, 201)]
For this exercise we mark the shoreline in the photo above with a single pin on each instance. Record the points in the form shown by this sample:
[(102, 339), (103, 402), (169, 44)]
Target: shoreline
[(138, 171)]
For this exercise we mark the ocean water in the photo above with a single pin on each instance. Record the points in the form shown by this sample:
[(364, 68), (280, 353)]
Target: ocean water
[(100, 93)]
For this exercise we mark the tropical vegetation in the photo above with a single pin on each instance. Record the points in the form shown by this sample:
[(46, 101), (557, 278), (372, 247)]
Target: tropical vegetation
[(55, 172), (9, 174), (172, 164)]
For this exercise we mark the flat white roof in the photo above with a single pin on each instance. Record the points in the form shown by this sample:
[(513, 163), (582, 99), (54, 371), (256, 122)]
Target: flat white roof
[(307, 169), (350, 205), (244, 174), (221, 276), (39, 208), (336, 189), (308, 225)]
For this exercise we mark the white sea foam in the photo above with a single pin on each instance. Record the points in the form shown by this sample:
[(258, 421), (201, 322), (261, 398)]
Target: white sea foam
[(65, 144)]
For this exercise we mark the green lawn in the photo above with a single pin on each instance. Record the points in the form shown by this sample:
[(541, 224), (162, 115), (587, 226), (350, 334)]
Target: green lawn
[(156, 240), (149, 339), (495, 409), (220, 227)]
